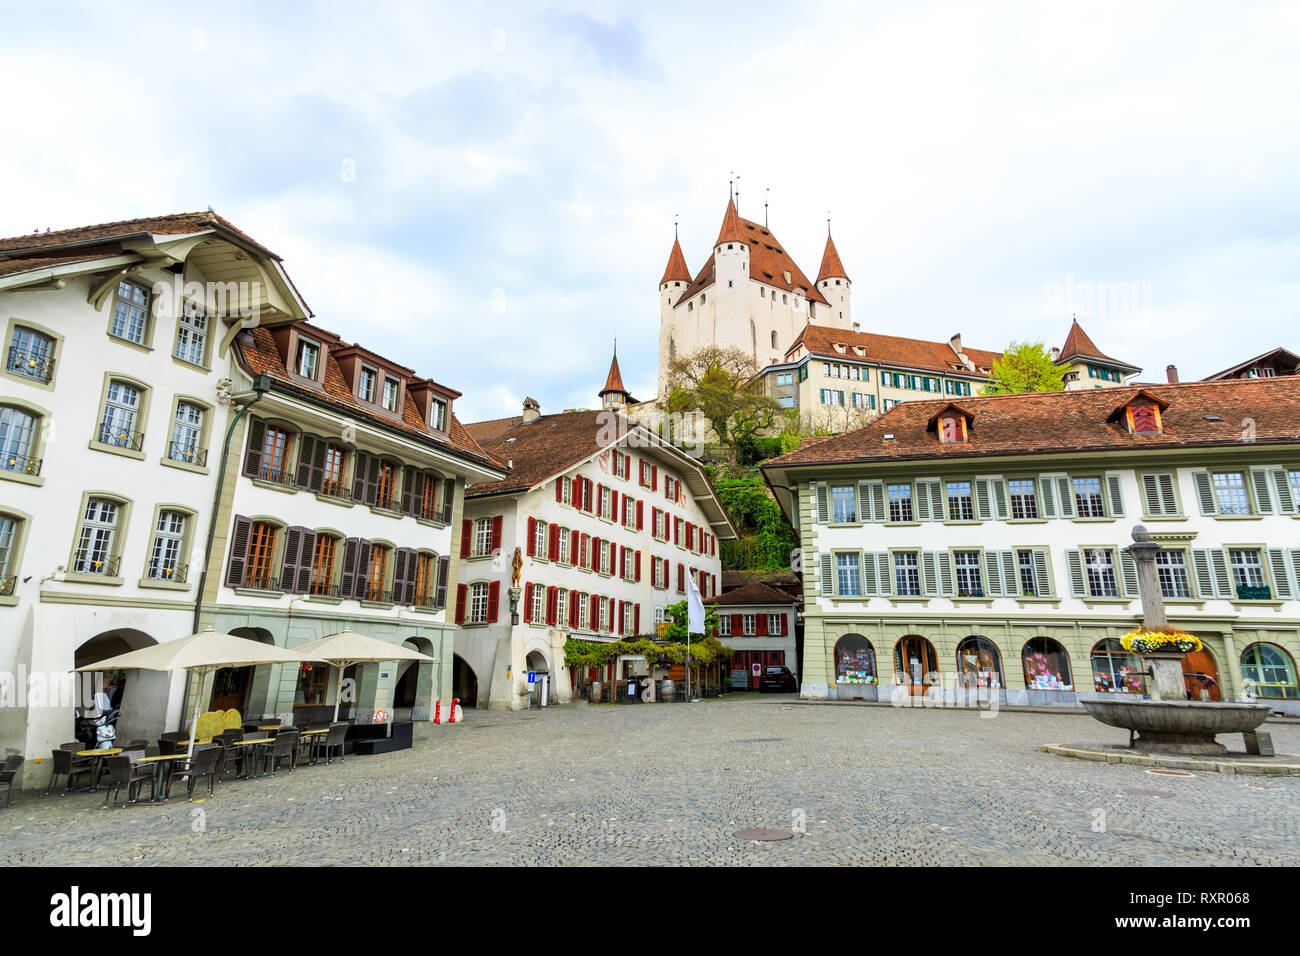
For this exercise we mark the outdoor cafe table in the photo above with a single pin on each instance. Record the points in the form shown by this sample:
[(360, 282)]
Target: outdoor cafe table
[(161, 761), (106, 752), (248, 774)]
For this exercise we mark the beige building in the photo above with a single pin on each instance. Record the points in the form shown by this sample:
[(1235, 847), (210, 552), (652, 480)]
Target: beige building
[(1086, 366)]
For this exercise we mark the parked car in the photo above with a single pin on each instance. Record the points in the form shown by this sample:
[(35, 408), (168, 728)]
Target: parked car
[(778, 679)]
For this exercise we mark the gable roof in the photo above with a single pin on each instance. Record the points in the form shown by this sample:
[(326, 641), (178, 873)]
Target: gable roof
[(257, 352), (1079, 345), (756, 592), (174, 224), (1197, 414), (820, 340), (831, 265), (1284, 357)]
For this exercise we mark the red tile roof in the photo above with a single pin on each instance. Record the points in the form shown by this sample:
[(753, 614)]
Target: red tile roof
[(614, 381), (730, 231), (676, 270), (1078, 345), (1279, 357), (755, 592), (484, 432), (1197, 414), (820, 340), (258, 354), (831, 265), (175, 224)]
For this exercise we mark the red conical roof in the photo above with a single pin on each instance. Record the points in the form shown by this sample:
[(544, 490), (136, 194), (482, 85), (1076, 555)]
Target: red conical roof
[(831, 265), (676, 271), (730, 231), (1078, 345), (614, 381)]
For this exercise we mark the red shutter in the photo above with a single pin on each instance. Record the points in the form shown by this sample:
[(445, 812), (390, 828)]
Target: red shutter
[(460, 603), (559, 489), (494, 598), (622, 562), (595, 554), (681, 576), (574, 598), (640, 515), (737, 624), (636, 619), (466, 532), (600, 499), (593, 614), (638, 565), (575, 538), (553, 545), (654, 477), (713, 584), (496, 534), (528, 604), (760, 625), (532, 537), (550, 605), (620, 616), (613, 505)]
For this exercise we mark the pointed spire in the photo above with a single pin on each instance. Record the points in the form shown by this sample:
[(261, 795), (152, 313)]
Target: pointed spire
[(614, 381), (676, 271), (831, 265), (730, 231)]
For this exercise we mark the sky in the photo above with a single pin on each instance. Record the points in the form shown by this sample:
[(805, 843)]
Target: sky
[(487, 192)]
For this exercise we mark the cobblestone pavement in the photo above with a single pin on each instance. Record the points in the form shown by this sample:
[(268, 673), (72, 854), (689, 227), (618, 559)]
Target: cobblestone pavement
[(671, 783)]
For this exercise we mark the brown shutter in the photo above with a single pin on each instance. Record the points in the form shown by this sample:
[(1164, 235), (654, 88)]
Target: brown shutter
[(401, 558), (448, 498), (253, 451), (307, 445), (364, 551), (361, 477), (289, 563), (444, 568), (410, 481), (238, 552), (348, 576), (737, 624)]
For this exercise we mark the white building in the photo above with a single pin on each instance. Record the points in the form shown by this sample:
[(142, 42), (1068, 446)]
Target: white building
[(979, 544), (758, 622), (113, 405), (605, 520)]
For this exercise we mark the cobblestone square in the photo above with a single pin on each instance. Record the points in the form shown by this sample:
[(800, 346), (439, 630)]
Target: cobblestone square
[(672, 783)]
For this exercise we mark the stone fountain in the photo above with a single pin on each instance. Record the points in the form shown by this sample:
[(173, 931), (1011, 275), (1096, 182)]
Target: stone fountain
[(1167, 722)]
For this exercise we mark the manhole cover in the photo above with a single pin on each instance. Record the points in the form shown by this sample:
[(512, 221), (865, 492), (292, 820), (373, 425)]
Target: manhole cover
[(766, 835), (1149, 793), (760, 740), (1171, 773)]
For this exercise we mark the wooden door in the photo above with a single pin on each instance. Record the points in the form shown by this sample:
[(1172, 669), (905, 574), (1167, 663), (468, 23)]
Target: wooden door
[(916, 662), (230, 688), (1202, 662)]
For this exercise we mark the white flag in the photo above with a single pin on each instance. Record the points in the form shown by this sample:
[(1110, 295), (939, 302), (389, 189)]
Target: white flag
[(694, 606)]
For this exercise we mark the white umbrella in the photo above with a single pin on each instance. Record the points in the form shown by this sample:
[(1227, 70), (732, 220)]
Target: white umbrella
[(199, 653), (345, 649)]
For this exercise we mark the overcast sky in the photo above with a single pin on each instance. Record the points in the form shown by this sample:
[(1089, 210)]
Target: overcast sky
[(486, 192)]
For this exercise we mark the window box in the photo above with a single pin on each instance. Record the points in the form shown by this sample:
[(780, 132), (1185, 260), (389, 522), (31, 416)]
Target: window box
[(1260, 593)]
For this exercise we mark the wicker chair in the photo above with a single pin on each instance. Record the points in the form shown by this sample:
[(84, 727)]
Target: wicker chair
[(329, 742), (231, 756), (122, 769), (67, 762), (8, 770), (203, 764), (285, 747)]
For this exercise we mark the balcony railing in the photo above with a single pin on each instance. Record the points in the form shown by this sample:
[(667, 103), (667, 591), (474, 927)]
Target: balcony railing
[(275, 475), (260, 580), (184, 452), (105, 567), (376, 594), (385, 500), (32, 364), (121, 437), (175, 574), (428, 601), (336, 488), (324, 590), (25, 466)]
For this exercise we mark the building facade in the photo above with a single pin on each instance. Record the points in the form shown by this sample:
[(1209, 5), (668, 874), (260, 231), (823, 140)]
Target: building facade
[(1086, 366), (591, 535), (758, 622), (977, 547), (114, 400)]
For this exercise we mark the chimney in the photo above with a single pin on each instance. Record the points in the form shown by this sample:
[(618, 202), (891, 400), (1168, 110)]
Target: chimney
[(532, 411), (1056, 354), (955, 342), (1171, 373), (857, 326)]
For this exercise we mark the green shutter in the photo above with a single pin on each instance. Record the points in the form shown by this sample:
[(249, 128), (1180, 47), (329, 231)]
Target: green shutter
[(1115, 494), (1283, 584), (1129, 574), (1074, 561), (827, 582), (1263, 496), (929, 574), (1205, 492), (983, 508), (823, 504), (1286, 503)]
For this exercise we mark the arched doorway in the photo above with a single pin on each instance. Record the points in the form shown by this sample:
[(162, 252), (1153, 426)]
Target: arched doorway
[(1047, 665), (239, 688), (139, 696), (413, 694), (464, 682), (979, 664), (537, 664), (1269, 672), (915, 664)]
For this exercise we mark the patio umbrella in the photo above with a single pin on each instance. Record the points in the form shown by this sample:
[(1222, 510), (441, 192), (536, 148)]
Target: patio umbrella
[(344, 649), (199, 654)]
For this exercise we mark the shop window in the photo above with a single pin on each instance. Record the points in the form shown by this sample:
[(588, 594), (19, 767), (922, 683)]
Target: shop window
[(1269, 672), (979, 664), (1047, 665), (1115, 670), (855, 660)]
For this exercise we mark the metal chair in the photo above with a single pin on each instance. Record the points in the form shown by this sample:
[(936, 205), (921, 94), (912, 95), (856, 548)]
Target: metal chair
[(7, 773), (330, 742), (67, 762), (122, 769), (285, 746)]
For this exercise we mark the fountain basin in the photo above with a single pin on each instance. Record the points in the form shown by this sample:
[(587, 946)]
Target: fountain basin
[(1176, 727)]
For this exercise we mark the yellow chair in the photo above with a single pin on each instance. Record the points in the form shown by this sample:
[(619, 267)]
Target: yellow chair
[(209, 724), (233, 720)]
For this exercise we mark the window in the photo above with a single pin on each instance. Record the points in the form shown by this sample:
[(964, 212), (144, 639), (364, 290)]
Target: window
[(1115, 670), (890, 403), (539, 539), (784, 378), (855, 660), (538, 613), (978, 663), (478, 603), (1230, 493), (308, 359), (1025, 566), (332, 475), (1248, 574), (387, 485), (629, 626), (483, 537), (775, 624), (584, 600), (1100, 566), (1047, 665), (844, 504), (31, 354), (1269, 673), (900, 502), (1024, 498), (967, 566), (1171, 566), (275, 456), (322, 565), (961, 505), (17, 441), (8, 557), (562, 607), (366, 384), (848, 574), (907, 574), (724, 624), (187, 431), (131, 312), (604, 506), (192, 336), (96, 538), (376, 573), (438, 415), (168, 540), (1295, 487), (563, 552), (392, 388), (261, 554), (121, 408), (1087, 498)]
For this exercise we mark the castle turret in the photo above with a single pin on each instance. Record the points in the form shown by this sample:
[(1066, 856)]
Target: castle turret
[(614, 395), (833, 283), (731, 286)]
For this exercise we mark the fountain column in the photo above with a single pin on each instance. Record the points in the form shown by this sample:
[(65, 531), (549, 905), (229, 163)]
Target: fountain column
[(1165, 677)]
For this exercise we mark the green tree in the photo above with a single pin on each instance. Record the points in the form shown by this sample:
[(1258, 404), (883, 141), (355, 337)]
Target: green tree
[(723, 384), (767, 540), (1025, 367)]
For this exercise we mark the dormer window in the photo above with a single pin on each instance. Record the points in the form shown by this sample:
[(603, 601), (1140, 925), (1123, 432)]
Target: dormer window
[(308, 363), (392, 391), (1144, 419), (438, 415), (952, 429), (366, 384), (840, 347)]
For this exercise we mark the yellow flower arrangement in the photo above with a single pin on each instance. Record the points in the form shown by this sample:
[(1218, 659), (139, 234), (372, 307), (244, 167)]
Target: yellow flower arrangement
[(1142, 641)]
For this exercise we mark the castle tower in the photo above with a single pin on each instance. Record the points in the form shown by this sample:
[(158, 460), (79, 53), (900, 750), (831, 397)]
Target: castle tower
[(614, 396), (833, 283)]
